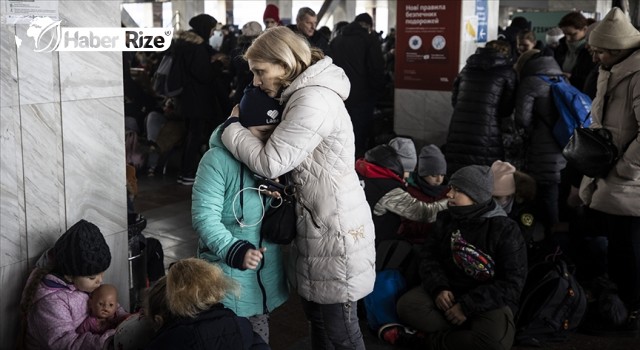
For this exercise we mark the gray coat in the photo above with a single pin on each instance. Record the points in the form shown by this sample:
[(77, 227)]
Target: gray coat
[(334, 249)]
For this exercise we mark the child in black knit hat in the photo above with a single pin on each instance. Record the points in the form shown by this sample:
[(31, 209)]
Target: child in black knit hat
[(473, 269), (55, 301)]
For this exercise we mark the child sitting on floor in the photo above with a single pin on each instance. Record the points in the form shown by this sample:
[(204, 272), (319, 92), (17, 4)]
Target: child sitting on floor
[(428, 185), (194, 291), (381, 173), (473, 269), (55, 300)]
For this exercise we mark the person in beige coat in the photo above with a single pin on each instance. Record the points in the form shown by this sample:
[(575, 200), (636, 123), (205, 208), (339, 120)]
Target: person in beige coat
[(615, 43), (334, 250)]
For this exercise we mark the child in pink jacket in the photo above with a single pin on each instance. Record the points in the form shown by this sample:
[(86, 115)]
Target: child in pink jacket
[(55, 299)]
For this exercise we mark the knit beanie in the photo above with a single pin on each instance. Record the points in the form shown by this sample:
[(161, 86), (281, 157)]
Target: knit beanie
[(431, 161), (386, 157), (81, 251), (615, 32), (476, 181), (504, 183), (407, 152), (273, 12), (252, 28), (202, 25), (365, 18), (553, 35), (520, 23), (258, 108)]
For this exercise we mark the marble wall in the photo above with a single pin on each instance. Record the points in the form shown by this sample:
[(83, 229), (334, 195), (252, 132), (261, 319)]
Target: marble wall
[(62, 159)]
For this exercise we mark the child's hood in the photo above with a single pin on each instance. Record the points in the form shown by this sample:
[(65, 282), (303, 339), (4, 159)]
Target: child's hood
[(52, 284)]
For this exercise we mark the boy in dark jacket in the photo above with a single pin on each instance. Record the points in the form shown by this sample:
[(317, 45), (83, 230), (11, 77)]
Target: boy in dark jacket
[(473, 270)]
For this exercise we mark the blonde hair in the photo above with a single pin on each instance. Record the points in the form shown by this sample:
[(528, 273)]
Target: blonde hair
[(194, 285), (281, 46)]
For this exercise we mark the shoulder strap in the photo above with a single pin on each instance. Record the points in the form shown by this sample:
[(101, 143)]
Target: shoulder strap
[(241, 192)]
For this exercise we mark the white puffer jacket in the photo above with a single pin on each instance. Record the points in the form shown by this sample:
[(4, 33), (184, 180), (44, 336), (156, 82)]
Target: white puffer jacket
[(334, 250)]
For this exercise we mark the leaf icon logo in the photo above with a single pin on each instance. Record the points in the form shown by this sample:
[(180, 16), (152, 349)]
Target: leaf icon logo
[(46, 34)]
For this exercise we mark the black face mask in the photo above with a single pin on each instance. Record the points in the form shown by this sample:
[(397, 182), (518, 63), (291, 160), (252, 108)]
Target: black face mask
[(470, 211)]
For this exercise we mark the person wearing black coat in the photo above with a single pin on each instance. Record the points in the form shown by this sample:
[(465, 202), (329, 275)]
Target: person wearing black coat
[(215, 329), (197, 103), (483, 100), (535, 116), (194, 289), (358, 52), (473, 268), (306, 22), (572, 55)]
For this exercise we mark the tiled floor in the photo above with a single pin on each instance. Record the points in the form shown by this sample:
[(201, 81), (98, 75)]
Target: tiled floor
[(167, 207)]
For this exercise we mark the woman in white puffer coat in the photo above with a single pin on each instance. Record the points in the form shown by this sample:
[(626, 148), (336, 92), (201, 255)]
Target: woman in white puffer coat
[(334, 249)]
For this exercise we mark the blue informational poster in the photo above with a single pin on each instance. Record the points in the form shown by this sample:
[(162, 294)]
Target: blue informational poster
[(481, 13)]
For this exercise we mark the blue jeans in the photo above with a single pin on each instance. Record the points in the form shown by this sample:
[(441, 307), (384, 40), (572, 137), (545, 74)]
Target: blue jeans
[(333, 326)]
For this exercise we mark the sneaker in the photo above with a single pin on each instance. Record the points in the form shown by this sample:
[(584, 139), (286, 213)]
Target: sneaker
[(151, 171), (390, 332), (187, 181)]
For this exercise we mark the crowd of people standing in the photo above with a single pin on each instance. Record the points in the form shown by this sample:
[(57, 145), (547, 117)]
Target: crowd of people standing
[(292, 103)]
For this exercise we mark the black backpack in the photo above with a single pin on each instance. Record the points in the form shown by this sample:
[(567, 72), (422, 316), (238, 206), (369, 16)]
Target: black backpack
[(551, 306), (168, 80)]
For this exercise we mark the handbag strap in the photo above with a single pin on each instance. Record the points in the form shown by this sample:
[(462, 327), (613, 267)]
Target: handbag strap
[(241, 192)]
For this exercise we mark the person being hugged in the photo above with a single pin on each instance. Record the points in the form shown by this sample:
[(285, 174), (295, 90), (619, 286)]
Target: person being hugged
[(55, 301)]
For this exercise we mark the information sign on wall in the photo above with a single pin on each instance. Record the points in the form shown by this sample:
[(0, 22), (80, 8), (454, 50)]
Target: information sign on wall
[(427, 44)]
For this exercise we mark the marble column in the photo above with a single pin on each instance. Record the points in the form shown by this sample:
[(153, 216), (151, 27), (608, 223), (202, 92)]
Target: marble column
[(62, 159)]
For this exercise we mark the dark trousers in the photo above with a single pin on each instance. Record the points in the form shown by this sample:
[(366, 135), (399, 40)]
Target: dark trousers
[(624, 257), (193, 141), (362, 119), (333, 326), (494, 329), (547, 197)]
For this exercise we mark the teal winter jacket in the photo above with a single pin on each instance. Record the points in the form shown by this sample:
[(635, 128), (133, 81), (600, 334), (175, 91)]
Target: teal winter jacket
[(223, 241)]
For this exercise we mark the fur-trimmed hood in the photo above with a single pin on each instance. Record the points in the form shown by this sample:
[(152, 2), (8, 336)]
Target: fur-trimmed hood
[(188, 36)]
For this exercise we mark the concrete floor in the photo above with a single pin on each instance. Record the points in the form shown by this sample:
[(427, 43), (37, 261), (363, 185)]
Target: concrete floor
[(167, 207)]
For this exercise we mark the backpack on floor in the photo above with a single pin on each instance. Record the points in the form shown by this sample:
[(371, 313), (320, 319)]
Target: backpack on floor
[(573, 106), (399, 255), (552, 304), (380, 304)]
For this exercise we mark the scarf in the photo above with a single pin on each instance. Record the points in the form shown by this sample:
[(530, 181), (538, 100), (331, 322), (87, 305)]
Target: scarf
[(429, 190), (471, 211), (571, 58)]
